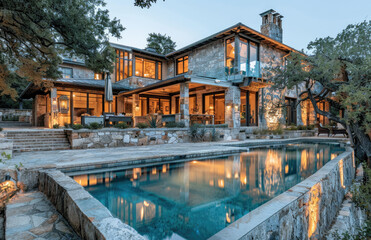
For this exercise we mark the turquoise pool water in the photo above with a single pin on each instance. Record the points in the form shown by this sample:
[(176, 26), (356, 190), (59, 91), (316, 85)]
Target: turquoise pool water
[(196, 199)]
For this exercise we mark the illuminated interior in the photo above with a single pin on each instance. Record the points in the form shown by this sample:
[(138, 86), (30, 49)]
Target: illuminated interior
[(182, 65), (147, 68)]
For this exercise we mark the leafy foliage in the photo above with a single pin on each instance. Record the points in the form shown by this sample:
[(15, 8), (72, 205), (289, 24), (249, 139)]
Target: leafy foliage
[(175, 125), (95, 125), (122, 125), (76, 126), (56, 126), (161, 43), (142, 125), (34, 34), (338, 70), (144, 3), (153, 121)]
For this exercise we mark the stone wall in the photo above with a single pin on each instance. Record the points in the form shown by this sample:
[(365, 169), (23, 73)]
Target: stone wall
[(86, 215), (305, 211), (79, 72), (23, 114), (86, 138)]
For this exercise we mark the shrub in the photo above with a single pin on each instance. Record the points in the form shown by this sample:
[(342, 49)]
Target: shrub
[(152, 120), (310, 127), (76, 126), (95, 125), (142, 125), (175, 125), (56, 125), (214, 135), (197, 132), (66, 125), (1, 129), (122, 125)]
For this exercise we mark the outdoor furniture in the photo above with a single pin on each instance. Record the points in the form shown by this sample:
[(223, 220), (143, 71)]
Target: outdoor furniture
[(322, 129), (202, 118), (86, 120), (116, 119), (336, 130), (106, 116)]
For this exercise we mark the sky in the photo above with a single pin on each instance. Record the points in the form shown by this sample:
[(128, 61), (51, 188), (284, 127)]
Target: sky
[(187, 21)]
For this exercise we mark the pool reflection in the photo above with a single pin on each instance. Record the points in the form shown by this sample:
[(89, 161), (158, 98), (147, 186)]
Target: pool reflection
[(196, 199)]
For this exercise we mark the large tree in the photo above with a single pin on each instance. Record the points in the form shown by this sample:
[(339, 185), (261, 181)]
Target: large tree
[(337, 70), (35, 33), (161, 43)]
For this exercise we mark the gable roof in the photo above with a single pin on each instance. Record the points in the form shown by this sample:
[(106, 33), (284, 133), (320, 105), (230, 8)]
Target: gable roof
[(237, 28)]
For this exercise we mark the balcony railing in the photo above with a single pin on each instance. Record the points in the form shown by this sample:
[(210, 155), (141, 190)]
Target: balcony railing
[(235, 74)]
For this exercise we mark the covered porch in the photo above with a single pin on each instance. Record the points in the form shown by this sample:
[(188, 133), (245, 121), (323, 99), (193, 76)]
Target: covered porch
[(187, 99)]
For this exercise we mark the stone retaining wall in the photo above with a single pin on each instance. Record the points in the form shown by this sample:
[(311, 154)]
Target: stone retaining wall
[(23, 114), (6, 147), (305, 211), (86, 215), (111, 137)]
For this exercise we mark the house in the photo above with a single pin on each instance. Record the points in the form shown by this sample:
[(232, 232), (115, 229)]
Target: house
[(218, 79)]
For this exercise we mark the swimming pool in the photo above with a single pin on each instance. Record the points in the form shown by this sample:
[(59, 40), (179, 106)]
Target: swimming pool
[(196, 199)]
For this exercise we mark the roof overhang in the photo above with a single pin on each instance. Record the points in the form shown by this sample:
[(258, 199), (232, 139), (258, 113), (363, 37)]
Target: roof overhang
[(161, 84)]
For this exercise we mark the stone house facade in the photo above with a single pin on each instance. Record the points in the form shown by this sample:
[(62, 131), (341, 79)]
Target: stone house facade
[(219, 79)]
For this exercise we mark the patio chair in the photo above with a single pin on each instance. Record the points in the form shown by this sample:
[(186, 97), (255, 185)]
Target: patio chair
[(339, 131), (322, 129)]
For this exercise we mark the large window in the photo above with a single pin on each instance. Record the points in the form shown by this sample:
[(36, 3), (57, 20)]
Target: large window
[(124, 65), (248, 57), (67, 72), (147, 68), (182, 65), (249, 108), (213, 104)]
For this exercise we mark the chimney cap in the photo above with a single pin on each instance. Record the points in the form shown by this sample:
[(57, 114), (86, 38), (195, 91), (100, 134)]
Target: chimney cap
[(267, 12)]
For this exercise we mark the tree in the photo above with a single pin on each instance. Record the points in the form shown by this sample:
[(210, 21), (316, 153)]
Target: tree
[(144, 3), (338, 71), (34, 34), (161, 43)]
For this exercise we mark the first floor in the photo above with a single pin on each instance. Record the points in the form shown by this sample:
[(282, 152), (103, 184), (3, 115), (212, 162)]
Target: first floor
[(187, 100)]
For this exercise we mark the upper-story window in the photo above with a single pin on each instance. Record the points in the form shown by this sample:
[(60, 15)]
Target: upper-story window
[(98, 76), (182, 65), (248, 58), (148, 68), (67, 72), (124, 65)]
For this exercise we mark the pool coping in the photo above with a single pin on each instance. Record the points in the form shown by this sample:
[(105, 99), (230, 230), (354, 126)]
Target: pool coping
[(264, 222)]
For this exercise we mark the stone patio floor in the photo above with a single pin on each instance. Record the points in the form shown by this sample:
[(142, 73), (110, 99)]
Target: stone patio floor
[(30, 216), (61, 159)]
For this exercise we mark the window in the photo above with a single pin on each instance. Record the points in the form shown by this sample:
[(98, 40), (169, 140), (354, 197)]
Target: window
[(248, 54), (182, 65), (98, 76), (229, 56), (290, 104), (249, 108), (147, 68), (214, 104), (67, 72), (124, 65)]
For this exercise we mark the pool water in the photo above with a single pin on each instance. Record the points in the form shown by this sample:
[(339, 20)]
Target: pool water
[(196, 199)]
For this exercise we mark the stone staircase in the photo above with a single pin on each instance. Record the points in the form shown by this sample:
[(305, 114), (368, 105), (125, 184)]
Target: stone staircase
[(38, 140)]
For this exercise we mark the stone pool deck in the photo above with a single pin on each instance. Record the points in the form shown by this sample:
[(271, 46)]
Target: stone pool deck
[(75, 160), (31, 216)]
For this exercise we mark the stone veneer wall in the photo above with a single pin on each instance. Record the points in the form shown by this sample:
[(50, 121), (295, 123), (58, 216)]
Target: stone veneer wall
[(305, 211), (86, 138), (24, 114), (86, 215)]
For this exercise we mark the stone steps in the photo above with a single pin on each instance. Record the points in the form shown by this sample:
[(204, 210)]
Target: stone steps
[(43, 140)]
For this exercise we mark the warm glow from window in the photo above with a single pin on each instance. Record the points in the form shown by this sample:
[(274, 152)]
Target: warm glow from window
[(182, 65), (147, 68)]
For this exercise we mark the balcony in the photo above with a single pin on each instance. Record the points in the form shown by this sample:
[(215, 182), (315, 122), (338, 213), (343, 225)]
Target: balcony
[(237, 75)]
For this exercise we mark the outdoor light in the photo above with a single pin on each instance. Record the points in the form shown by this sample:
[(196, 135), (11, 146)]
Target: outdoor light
[(63, 104)]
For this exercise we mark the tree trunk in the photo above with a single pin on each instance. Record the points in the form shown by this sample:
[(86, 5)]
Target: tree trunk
[(362, 144)]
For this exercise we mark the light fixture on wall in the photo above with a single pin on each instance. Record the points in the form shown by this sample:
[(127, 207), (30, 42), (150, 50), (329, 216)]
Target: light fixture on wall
[(63, 104)]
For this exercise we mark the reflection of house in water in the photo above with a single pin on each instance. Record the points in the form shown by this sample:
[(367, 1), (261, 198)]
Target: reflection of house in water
[(198, 198)]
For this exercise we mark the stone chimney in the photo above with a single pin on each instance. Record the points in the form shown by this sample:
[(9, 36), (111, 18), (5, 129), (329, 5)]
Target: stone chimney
[(272, 24)]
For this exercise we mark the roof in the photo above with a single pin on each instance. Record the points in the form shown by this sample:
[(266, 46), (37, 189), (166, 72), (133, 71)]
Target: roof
[(164, 83), (134, 49), (237, 28), (31, 90)]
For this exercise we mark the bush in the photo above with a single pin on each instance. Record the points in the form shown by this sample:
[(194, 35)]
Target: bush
[(310, 127), (152, 120), (1, 129), (175, 125), (56, 125), (66, 125), (197, 132), (122, 125), (95, 125), (142, 125), (76, 126)]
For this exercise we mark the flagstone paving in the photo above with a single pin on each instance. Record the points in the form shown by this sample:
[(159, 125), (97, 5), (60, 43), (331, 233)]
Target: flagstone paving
[(31, 216)]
